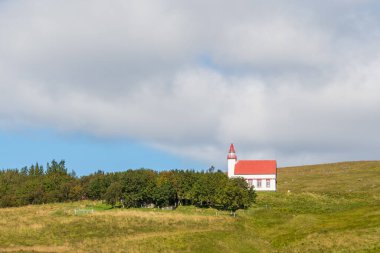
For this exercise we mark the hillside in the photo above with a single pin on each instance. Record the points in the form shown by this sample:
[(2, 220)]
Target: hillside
[(319, 208)]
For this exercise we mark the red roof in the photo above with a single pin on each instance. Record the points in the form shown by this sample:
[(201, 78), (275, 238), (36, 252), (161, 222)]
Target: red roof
[(232, 148), (249, 167)]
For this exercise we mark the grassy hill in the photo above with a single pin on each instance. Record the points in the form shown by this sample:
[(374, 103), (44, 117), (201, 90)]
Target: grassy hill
[(319, 208)]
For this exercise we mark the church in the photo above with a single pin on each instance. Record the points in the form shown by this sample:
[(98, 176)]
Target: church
[(262, 174)]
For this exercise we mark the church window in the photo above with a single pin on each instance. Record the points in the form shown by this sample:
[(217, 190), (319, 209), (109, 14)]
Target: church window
[(258, 183), (249, 181), (268, 183)]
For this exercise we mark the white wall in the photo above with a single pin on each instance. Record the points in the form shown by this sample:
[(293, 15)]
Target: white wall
[(263, 177), (231, 167)]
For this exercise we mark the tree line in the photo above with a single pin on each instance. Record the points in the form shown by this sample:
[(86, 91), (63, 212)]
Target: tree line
[(132, 188)]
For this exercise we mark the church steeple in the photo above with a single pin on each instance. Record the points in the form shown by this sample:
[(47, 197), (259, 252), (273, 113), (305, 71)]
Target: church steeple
[(231, 152), (231, 161)]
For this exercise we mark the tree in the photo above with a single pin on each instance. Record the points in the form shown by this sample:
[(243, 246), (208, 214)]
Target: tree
[(235, 195), (38, 170), (204, 190), (164, 193), (95, 185), (76, 192), (114, 193), (139, 187)]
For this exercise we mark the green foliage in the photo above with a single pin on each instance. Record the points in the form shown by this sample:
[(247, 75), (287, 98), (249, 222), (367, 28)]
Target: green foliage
[(33, 186), (234, 195), (113, 193), (132, 188), (95, 186), (164, 193)]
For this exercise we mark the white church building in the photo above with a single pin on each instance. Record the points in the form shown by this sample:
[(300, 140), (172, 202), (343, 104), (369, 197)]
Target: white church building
[(262, 174)]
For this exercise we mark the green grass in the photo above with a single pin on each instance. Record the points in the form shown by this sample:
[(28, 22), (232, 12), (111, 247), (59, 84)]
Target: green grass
[(319, 208)]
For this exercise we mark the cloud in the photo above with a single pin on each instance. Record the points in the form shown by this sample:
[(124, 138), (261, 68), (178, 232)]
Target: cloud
[(294, 81)]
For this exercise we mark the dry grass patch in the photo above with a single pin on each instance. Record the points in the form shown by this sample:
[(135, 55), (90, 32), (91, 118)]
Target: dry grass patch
[(37, 248)]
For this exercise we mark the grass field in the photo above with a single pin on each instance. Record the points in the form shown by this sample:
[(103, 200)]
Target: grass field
[(320, 208)]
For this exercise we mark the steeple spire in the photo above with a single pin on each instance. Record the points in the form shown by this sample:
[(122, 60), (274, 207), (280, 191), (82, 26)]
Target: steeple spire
[(231, 152)]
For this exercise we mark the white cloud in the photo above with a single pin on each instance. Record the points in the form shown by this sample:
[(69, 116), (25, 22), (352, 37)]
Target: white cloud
[(288, 81)]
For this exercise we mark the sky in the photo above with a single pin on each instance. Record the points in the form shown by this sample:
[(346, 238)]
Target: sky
[(161, 84)]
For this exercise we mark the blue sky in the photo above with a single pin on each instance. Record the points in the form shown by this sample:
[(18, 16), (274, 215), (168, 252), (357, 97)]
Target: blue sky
[(161, 84), (84, 154)]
